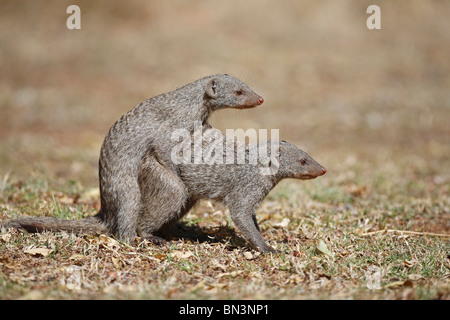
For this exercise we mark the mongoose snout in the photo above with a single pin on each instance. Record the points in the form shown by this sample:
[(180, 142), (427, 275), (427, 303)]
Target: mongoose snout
[(251, 100), (320, 172)]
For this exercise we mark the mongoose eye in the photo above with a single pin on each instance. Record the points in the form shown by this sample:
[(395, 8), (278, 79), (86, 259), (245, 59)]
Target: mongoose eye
[(239, 92)]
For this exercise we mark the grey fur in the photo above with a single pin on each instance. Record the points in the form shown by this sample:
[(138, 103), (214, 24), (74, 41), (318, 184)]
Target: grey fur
[(146, 129), (241, 187)]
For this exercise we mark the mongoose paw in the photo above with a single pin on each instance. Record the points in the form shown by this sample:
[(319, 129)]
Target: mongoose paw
[(267, 249), (271, 250), (155, 240)]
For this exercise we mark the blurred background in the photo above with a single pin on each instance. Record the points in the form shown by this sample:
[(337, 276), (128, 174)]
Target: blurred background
[(369, 105)]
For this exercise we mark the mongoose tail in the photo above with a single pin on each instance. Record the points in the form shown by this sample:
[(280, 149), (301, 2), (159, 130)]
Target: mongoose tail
[(89, 225)]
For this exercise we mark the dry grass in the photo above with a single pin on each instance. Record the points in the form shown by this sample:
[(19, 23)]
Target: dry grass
[(372, 106), (207, 260)]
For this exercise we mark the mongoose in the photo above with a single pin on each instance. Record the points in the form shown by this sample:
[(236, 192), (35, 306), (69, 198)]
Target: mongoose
[(241, 187), (146, 129)]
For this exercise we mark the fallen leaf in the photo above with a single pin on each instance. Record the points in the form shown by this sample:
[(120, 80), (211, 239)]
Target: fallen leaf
[(8, 263), (76, 257), (218, 265), (394, 284), (221, 286), (160, 256), (6, 237), (116, 262), (38, 251), (323, 249), (181, 255), (409, 263), (296, 279), (414, 277), (248, 255), (283, 224), (229, 274), (108, 241)]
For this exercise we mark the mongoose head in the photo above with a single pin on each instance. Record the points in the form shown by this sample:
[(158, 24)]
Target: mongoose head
[(224, 91), (296, 163)]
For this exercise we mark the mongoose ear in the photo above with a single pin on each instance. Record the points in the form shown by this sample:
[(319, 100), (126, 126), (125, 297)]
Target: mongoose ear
[(210, 89)]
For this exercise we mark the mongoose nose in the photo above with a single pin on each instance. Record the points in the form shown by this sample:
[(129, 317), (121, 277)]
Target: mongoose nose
[(260, 100), (324, 171)]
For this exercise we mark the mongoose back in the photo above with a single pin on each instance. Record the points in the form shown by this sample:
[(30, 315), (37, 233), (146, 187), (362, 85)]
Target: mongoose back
[(146, 129), (241, 187)]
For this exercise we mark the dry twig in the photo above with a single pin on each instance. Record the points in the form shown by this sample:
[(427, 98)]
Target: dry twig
[(406, 232)]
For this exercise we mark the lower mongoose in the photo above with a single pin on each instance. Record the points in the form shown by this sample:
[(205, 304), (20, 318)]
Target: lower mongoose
[(241, 187), (146, 129)]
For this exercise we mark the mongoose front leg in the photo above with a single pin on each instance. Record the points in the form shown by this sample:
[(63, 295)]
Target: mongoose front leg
[(255, 222), (245, 222), (163, 197)]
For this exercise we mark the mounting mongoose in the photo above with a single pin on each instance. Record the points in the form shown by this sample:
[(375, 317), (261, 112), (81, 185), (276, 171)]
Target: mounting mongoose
[(241, 187), (146, 130)]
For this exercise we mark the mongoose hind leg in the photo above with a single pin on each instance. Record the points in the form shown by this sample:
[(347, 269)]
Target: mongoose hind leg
[(170, 229), (163, 198), (121, 220)]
